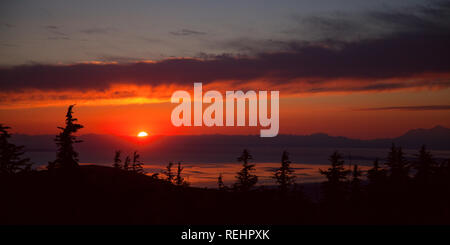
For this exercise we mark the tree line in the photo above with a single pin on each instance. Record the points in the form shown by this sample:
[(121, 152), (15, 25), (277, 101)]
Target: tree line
[(394, 178)]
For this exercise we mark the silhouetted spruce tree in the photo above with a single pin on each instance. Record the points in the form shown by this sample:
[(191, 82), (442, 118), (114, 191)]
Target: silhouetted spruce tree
[(117, 160), (66, 156), (246, 180), (376, 175), (169, 173), (376, 191), (398, 167), (179, 180), (126, 163), (11, 160), (356, 180), (334, 189), (220, 183), (284, 175), (136, 166), (425, 167), (443, 176), (355, 186)]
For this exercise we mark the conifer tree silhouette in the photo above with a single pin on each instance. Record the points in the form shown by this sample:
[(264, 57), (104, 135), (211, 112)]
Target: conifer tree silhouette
[(356, 174), (169, 173), (245, 179), (126, 163), (66, 156), (11, 159), (179, 180), (334, 189), (117, 160), (442, 175), (398, 166), (284, 175), (136, 166), (355, 186), (425, 167), (220, 183), (376, 175)]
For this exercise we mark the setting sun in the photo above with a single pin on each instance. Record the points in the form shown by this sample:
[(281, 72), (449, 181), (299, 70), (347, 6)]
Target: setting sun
[(142, 134)]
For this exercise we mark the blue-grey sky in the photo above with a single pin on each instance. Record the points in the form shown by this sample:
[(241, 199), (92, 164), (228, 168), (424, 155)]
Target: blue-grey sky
[(124, 31)]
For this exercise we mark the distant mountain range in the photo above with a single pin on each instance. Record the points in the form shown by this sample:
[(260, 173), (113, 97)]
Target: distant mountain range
[(225, 148)]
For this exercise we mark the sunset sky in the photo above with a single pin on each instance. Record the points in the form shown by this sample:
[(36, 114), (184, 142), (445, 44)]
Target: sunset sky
[(369, 69)]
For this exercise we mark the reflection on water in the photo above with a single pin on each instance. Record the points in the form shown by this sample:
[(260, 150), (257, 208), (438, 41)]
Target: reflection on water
[(205, 174), (201, 174)]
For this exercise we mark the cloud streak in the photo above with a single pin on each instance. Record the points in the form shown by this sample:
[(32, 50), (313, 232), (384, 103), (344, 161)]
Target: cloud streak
[(98, 30), (409, 108), (187, 32)]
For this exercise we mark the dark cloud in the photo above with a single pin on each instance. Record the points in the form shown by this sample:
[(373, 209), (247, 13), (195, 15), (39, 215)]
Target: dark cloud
[(118, 59), (336, 26), (151, 40), (97, 30), (56, 31), (421, 19), (9, 25), (9, 45), (399, 56), (254, 46), (409, 108), (431, 18), (419, 44), (385, 86), (339, 30), (58, 38), (187, 32), (52, 27)]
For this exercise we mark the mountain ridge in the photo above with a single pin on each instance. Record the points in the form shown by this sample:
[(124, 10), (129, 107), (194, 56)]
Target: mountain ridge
[(437, 137)]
